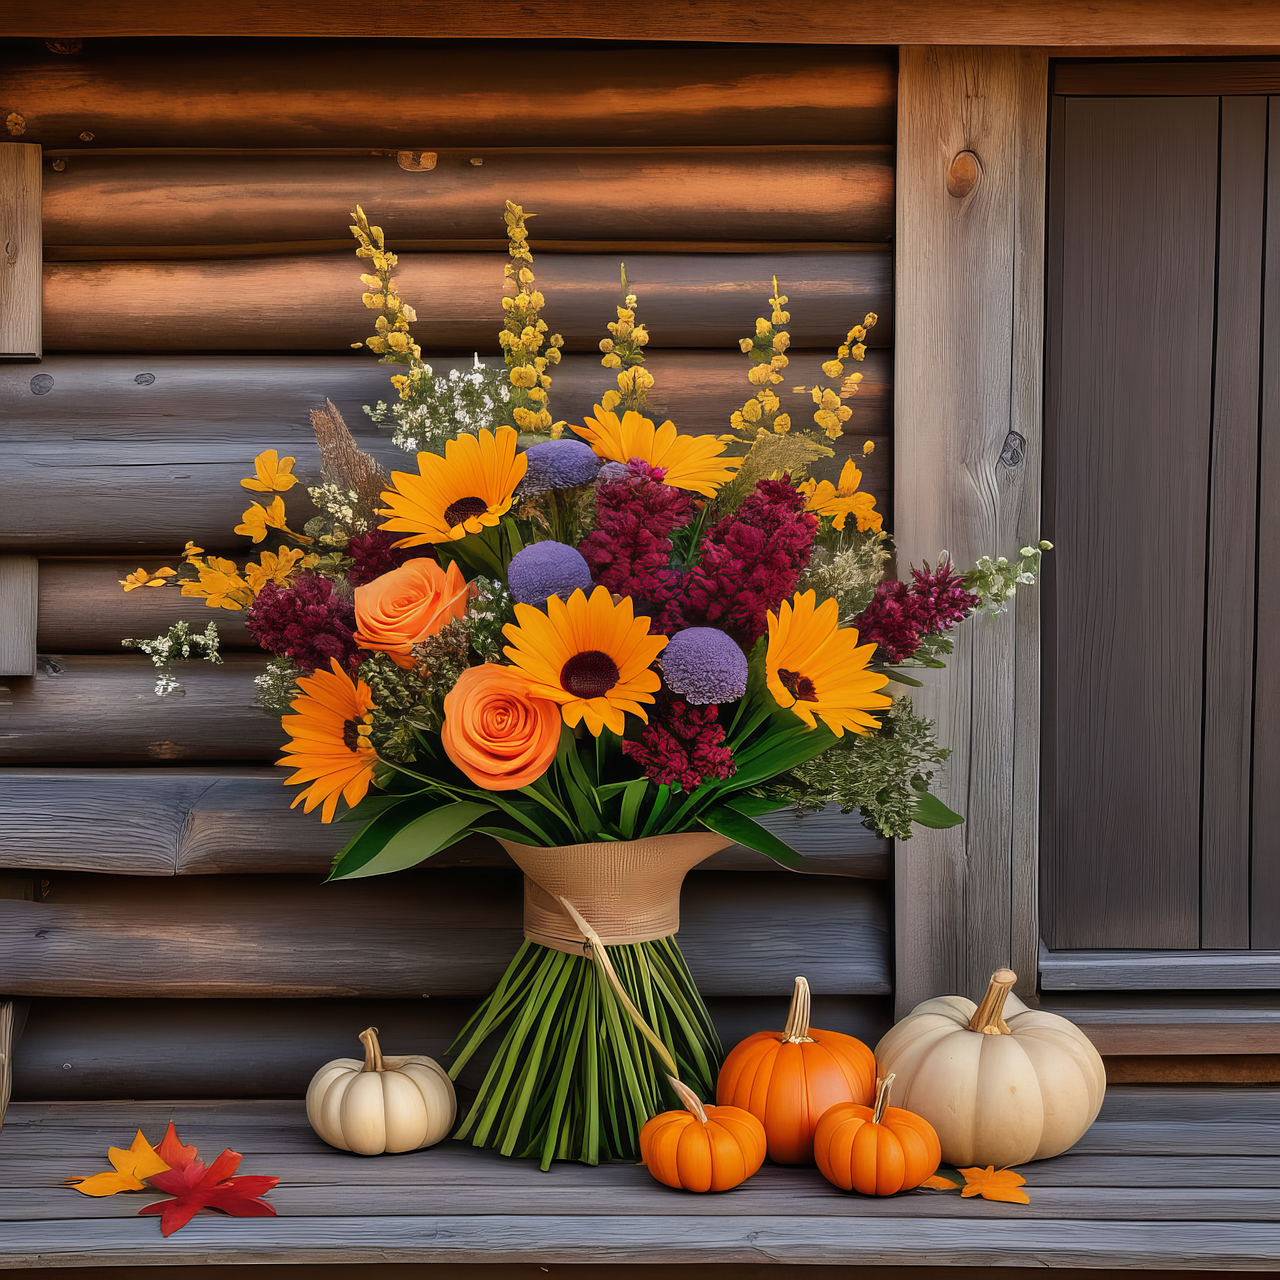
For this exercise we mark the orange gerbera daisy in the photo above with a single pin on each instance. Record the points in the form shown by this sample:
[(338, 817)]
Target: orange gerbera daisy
[(691, 462), (330, 745), (461, 493), (843, 499), (815, 667), (590, 656)]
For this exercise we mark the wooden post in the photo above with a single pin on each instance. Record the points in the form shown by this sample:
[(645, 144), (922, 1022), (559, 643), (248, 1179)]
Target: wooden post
[(20, 252), (968, 362), (6, 1056), (19, 599)]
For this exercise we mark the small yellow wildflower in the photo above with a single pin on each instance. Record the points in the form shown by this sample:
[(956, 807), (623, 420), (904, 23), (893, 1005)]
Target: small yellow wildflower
[(273, 567), (258, 519), (833, 368), (274, 474), (191, 550), (219, 584), (141, 578), (868, 446)]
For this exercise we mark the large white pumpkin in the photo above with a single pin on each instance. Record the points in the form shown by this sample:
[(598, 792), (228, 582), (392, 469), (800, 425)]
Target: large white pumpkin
[(381, 1104), (998, 1092)]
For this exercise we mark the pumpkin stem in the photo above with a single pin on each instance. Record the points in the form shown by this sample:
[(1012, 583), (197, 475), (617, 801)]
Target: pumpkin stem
[(882, 1097), (797, 1029), (986, 1017), (372, 1050), (689, 1098)]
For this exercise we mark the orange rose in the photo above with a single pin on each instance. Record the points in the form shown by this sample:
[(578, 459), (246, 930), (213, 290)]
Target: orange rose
[(403, 607), (495, 732)]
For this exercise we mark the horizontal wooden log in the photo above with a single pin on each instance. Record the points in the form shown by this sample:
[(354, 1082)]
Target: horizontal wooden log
[(94, 1048), (81, 708), (141, 453), (313, 303), (489, 93), (438, 934), (1159, 970), (833, 193), (176, 821)]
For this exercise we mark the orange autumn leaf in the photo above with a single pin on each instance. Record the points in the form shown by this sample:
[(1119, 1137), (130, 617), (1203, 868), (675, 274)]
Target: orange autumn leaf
[(995, 1184), (131, 1168), (940, 1182)]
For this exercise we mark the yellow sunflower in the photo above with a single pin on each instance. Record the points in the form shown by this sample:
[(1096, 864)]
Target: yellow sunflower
[(330, 745), (815, 667), (691, 462), (590, 656), (461, 493), (842, 499)]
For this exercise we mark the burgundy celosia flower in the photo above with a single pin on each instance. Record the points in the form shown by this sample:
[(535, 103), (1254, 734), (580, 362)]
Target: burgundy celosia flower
[(901, 614), (749, 562), (629, 550), (306, 623), (375, 553), (681, 745)]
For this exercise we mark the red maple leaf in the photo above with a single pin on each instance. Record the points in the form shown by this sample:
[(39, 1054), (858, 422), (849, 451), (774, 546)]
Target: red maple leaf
[(193, 1187)]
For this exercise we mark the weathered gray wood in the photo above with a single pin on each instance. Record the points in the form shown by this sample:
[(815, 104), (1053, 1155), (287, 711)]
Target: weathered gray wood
[(269, 1048), (20, 251), (715, 194), (967, 406), (91, 709), (1161, 970), (6, 1056), (171, 437), (292, 94), (1265, 924), (549, 1240), (252, 304), (442, 934), (1233, 507), (1129, 412), (161, 822), (19, 606), (1173, 1022)]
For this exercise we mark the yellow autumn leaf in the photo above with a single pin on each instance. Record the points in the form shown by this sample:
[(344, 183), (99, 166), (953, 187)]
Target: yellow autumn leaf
[(131, 1168), (142, 578), (274, 474), (995, 1184)]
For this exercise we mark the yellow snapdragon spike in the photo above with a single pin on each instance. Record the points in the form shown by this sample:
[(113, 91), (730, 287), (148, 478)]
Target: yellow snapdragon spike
[(141, 578), (132, 1167), (274, 474)]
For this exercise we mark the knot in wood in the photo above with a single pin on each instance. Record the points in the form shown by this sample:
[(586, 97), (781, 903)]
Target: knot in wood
[(1014, 450), (963, 174), (416, 161)]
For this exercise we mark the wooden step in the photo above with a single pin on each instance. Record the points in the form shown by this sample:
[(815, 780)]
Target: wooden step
[(451, 1203)]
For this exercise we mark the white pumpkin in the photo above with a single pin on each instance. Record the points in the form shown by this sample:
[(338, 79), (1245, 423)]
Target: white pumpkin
[(998, 1092), (381, 1104)]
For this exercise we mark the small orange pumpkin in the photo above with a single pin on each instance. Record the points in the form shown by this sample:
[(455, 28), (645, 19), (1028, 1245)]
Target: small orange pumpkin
[(702, 1148), (878, 1152), (788, 1078)]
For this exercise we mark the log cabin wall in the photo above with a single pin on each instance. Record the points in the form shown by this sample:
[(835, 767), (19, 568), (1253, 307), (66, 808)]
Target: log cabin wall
[(163, 930)]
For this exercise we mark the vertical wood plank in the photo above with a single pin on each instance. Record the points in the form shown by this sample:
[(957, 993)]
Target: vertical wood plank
[(1132, 335), (967, 439), (19, 605), (20, 251), (1233, 505), (1265, 880), (6, 1056)]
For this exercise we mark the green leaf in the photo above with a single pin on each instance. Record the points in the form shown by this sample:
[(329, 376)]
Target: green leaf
[(737, 826), (632, 799), (898, 678), (375, 852), (753, 806), (931, 812)]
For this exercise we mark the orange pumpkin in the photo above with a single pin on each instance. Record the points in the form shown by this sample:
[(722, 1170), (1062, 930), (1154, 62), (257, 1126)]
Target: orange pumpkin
[(702, 1148), (878, 1152), (788, 1078)]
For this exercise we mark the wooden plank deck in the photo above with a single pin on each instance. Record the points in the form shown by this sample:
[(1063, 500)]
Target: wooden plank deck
[(1177, 1178)]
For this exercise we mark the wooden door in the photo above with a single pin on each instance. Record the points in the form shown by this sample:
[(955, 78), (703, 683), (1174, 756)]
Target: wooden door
[(1162, 743)]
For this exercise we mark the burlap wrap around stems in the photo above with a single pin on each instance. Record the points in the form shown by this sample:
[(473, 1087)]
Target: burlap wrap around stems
[(627, 890)]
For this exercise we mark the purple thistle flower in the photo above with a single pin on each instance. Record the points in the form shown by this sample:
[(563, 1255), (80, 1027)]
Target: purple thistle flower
[(705, 666), (557, 464), (545, 569)]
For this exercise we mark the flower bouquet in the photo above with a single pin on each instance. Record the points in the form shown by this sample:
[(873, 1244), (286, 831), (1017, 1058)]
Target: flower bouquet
[(612, 648)]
